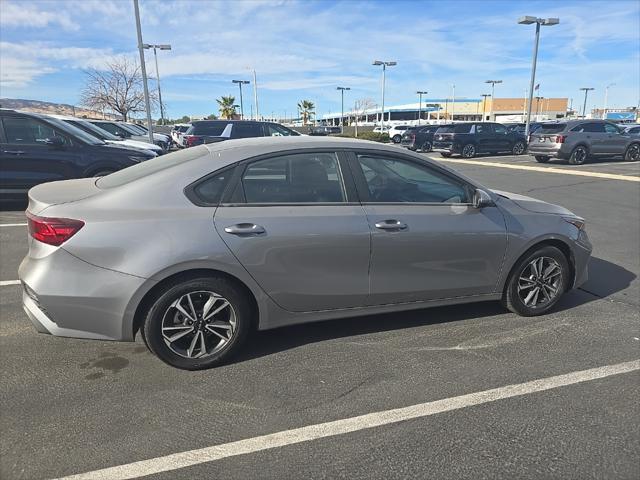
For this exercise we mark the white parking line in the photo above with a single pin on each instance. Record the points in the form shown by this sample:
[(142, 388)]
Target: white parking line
[(13, 224), (347, 425), (4, 283), (564, 171)]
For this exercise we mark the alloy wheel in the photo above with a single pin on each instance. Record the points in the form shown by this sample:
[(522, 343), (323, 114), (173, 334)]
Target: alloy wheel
[(579, 156), (540, 282), (469, 151), (518, 148), (426, 147), (633, 153), (198, 324)]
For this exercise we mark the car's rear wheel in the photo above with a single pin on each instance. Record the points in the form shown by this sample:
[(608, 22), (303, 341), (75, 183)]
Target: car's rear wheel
[(468, 151), (537, 282), (396, 138), (518, 148), (542, 158), (198, 323), (445, 154), (426, 146), (579, 155), (633, 153)]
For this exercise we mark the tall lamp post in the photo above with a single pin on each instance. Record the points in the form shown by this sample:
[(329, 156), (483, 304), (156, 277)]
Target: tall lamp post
[(143, 67), (342, 89), (584, 107), (240, 83), (493, 86), (164, 46), (384, 70), (420, 93), (527, 20), (453, 101), (606, 98), (538, 99), (484, 103)]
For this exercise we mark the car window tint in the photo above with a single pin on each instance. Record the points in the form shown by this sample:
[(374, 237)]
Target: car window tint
[(210, 190), (28, 131), (144, 169), (391, 180), (298, 178), (611, 128), (500, 129), (274, 130), (634, 130), (114, 129), (589, 128), (213, 129), (554, 128), (246, 130)]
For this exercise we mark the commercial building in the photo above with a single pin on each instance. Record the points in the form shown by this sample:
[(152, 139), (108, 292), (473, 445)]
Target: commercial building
[(460, 110)]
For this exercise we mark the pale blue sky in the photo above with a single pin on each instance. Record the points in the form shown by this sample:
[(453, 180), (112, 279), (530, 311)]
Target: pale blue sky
[(305, 49)]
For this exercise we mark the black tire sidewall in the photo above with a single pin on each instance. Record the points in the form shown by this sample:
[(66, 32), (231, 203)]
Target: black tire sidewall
[(221, 286), (514, 148), (626, 154), (542, 159), (572, 160), (396, 138), (445, 154), (426, 146), (512, 299)]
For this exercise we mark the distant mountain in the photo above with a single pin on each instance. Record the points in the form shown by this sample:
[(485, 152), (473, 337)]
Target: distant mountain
[(49, 107)]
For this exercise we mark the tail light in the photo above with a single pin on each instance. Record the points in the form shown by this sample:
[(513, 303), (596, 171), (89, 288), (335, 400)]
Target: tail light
[(191, 140), (412, 136), (52, 231), (561, 138)]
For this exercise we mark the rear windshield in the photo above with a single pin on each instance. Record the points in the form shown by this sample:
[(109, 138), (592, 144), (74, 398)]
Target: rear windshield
[(150, 167), (460, 128), (214, 129), (555, 128)]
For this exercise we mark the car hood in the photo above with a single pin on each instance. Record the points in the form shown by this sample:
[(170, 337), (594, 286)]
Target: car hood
[(533, 204)]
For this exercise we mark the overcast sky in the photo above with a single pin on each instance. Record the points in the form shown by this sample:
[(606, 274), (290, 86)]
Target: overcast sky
[(305, 49)]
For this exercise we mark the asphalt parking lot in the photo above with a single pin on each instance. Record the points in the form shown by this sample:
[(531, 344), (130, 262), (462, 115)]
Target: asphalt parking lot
[(74, 406)]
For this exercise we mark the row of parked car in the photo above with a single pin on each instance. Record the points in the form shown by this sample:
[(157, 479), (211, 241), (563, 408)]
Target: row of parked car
[(575, 141), (212, 131)]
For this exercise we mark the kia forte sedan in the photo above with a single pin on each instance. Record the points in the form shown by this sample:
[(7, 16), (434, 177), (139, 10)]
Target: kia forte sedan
[(197, 248)]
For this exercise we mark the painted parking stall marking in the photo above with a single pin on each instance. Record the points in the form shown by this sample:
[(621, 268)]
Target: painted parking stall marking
[(339, 427), (13, 225), (563, 171), (5, 283)]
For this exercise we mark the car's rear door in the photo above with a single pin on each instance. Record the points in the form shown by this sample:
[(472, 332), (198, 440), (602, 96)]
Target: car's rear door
[(428, 241), (293, 222), (485, 138)]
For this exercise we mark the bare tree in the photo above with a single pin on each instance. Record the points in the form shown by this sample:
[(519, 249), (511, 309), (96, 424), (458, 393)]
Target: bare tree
[(117, 88), (360, 108)]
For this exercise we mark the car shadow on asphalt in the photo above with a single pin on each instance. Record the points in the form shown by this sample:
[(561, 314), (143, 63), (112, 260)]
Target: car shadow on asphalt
[(606, 279)]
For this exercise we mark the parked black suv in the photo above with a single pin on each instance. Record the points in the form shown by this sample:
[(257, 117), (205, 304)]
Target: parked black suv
[(37, 149), (420, 138), (469, 139), (211, 131)]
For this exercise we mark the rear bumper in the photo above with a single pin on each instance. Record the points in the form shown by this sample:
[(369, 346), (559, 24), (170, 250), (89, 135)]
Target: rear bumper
[(67, 297), (445, 147), (536, 151)]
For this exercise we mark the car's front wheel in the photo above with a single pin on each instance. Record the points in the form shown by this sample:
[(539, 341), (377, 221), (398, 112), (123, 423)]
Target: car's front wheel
[(197, 323), (426, 146), (396, 138), (537, 282), (633, 153), (468, 151), (579, 155), (542, 158)]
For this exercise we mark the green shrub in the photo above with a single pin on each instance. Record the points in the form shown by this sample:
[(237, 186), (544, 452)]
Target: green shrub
[(373, 136)]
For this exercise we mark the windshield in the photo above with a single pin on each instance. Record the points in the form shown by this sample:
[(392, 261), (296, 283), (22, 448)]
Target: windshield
[(75, 131), (91, 129)]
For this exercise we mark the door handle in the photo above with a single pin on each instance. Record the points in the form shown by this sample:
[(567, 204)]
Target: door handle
[(391, 225), (13, 152), (244, 229)]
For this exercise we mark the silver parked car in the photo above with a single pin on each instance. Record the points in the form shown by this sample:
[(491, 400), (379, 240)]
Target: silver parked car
[(200, 246), (579, 140)]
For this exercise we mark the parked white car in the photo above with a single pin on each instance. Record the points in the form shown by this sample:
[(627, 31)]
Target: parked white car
[(396, 131), (381, 130), (91, 129), (177, 131), (126, 131)]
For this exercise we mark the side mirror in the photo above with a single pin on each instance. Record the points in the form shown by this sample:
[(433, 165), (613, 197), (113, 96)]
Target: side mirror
[(55, 142), (481, 199)]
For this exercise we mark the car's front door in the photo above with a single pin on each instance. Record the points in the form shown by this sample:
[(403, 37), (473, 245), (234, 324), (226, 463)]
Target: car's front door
[(485, 138), (614, 141), (293, 223), (28, 156), (428, 241), (502, 139)]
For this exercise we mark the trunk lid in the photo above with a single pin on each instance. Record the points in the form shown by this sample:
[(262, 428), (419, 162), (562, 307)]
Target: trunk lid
[(45, 195)]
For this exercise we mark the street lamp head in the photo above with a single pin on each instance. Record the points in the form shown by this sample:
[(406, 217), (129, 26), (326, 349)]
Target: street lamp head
[(390, 64), (243, 82), (493, 81), (146, 45), (527, 20), (586, 89), (421, 92), (550, 21), (165, 46), (377, 62), (343, 88)]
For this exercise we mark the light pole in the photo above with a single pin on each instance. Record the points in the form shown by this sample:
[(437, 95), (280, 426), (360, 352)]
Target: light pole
[(384, 69), (420, 93), (255, 94), (606, 98), (453, 100), (527, 20), (484, 103), (144, 70), (493, 86), (584, 107), (155, 56), (240, 83), (538, 106), (342, 89)]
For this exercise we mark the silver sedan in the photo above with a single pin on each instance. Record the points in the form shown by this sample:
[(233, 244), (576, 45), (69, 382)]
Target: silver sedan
[(195, 249)]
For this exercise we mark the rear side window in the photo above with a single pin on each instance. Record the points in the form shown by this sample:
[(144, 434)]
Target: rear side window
[(213, 129), (555, 128), (589, 128), (298, 178), (246, 130), (209, 191), (150, 167), (460, 128)]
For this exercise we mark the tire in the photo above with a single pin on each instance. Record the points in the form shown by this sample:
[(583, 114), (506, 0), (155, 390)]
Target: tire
[(468, 151), (170, 309), (542, 158), (445, 154), (518, 148), (633, 153), (426, 146), (519, 295), (579, 155), (396, 138)]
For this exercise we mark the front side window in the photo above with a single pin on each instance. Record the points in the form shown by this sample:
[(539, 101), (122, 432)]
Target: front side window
[(483, 128), (28, 131), (610, 128), (274, 130), (391, 180), (298, 178)]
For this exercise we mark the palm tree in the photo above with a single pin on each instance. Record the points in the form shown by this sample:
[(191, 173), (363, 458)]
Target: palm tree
[(226, 106), (306, 109)]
